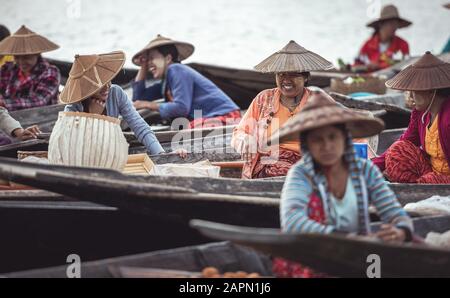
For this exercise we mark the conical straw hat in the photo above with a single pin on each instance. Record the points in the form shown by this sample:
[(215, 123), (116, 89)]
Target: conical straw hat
[(184, 49), (428, 73), (26, 42), (293, 58), (389, 12), (321, 110), (89, 73)]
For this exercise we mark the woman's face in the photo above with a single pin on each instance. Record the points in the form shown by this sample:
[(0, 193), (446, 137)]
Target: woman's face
[(157, 63), (97, 102), (26, 62), (326, 144), (291, 84), (422, 99), (388, 29)]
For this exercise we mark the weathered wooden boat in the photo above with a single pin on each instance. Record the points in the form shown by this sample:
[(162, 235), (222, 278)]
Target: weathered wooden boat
[(230, 200), (225, 256), (395, 117), (393, 70), (222, 255), (339, 255), (242, 85)]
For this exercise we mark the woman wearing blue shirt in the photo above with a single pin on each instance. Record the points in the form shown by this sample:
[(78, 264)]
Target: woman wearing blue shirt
[(188, 94), (89, 90)]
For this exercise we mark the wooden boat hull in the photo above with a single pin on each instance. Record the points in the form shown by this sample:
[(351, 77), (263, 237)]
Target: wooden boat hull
[(223, 255), (338, 255), (236, 201)]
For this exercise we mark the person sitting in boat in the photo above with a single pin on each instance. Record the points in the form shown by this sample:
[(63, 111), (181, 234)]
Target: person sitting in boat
[(272, 108), (31, 81), (188, 94), (12, 128), (331, 188), (89, 89), (4, 33), (422, 154), (384, 48)]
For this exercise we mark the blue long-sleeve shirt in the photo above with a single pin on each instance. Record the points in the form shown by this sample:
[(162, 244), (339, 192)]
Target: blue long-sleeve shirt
[(117, 105), (190, 91)]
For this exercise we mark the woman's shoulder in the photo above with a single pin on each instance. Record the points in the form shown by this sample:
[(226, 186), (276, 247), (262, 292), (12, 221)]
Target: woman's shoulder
[(266, 95), (179, 68)]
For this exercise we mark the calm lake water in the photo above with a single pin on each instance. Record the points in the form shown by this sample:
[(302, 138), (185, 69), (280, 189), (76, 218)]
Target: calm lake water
[(237, 33)]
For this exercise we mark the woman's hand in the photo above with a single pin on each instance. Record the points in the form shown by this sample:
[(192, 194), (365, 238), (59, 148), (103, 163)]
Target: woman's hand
[(182, 153), (143, 104), (390, 233), (143, 61), (28, 133), (248, 148)]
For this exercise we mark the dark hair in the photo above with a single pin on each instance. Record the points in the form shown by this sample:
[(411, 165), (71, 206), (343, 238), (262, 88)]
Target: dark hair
[(4, 32), (169, 49), (443, 92), (307, 76)]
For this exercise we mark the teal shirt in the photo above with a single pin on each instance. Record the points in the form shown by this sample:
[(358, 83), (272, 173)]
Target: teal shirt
[(447, 47)]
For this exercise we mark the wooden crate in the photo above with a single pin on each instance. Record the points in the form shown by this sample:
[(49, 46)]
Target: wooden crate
[(138, 164)]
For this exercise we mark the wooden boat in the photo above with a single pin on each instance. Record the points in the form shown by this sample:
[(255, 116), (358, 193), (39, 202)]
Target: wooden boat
[(342, 256), (189, 261), (222, 255), (395, 117), (241, 85), (230, 200)]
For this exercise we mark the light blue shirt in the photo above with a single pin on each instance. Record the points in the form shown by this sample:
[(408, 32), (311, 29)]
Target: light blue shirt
[(118, 104), (344, 212)]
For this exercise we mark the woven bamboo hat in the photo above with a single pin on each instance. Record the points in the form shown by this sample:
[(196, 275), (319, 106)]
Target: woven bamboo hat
[(26, 42), (428, 73), (293, 58), (184, 49), (389, 12), (89, 73), (321, 110)]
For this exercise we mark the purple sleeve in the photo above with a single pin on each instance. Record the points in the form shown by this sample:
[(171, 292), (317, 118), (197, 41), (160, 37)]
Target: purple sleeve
[(181, 85), (140, 92)]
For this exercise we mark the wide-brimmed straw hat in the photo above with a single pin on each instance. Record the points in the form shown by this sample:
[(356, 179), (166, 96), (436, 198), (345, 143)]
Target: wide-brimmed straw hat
[(389, 12), (184, 49), (26, 42), (428, 73), (89, 73), (293, 58), (321, 110)]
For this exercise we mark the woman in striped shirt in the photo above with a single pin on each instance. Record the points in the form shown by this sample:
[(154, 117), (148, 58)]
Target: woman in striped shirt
[(330, 189)]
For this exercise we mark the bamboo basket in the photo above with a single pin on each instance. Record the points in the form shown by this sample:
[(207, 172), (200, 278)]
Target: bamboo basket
[(88, 140)]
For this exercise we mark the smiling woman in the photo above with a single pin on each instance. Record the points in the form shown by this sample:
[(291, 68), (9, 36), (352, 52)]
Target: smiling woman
[(89, 89), (272, 108), (187, 92)]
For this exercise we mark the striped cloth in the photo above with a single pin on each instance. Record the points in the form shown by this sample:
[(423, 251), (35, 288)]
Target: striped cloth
[(303, 183)]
